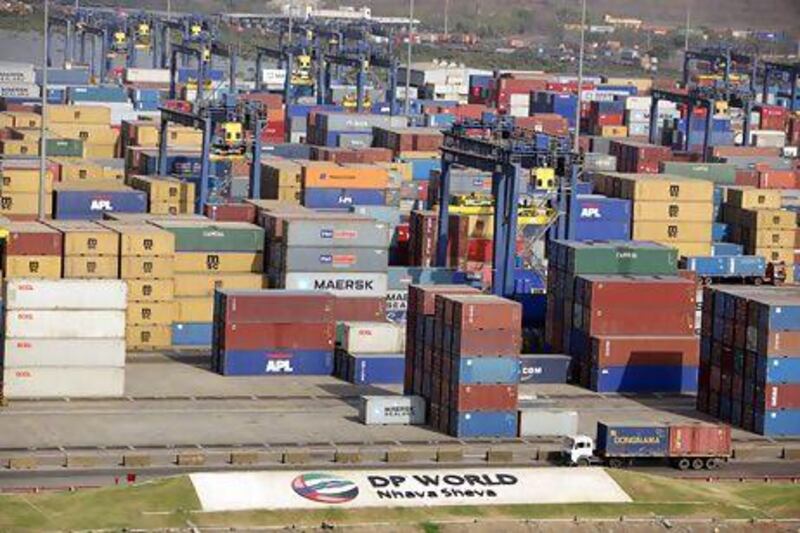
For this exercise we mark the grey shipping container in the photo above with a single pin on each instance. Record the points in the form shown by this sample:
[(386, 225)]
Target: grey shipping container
[(595, 162), (547, 423), (338, 232), (351, 122), (305, 259), (397, 410)]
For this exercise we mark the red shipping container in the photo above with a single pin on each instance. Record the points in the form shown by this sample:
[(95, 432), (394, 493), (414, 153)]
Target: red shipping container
[(783, 396), (482, 312), (231, 212), (255, 336), (666, 321), (635, 291), (703, 440), (484, 397), (778, 179), (277, 306), (645, 351), (422, 298), (492, 342), (744, 151), (360, 309), (32, 238), (747, 178)]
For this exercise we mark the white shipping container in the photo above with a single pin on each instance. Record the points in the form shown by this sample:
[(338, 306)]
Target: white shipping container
[(638, 102), (28, 293), (12, 72), (339, 283), (273, 76), (149, 75), (519, 99), (38, 324), (540, 422), (396, 410), (64, 352), (373, 337), (63, 382), (769, 139), (519, 111), (20, 90)]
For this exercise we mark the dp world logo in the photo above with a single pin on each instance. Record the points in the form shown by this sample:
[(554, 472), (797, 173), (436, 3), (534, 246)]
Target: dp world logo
[(324, 488)]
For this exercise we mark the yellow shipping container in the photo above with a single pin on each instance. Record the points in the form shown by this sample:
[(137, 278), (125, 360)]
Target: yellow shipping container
[(750, 198), (776, 255), (158, 188), (82, 237), (26, 119), (76, 114), (218, 262), (762, 219), (100, 151), (614, 131), (403, 169), (6, 120), (206, 284), (93, 267), (88, 133), (686, 249), (112, 173), (184, 137), (32, 266), (285, 172), (150, 313), (150, 290), (24, 203), (770, 238), (12, 147), (79, 170), (28, 134), (682, 211), (289, 194), (168, 208), (332, 175), (146, 267), (672, 231), (419, 155), (142, 239), (661, 188), (146, 338), (194, 309), (24, 180)]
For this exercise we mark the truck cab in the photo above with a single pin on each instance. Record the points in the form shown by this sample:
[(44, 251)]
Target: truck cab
[(579, 451)]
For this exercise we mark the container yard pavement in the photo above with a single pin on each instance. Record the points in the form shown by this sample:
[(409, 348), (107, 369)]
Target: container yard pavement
[(171, 502)]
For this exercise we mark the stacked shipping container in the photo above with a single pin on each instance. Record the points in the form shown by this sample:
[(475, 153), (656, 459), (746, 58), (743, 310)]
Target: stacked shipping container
[(370, 353)]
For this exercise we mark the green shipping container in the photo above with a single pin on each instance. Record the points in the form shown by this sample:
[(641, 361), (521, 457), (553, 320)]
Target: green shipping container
[(722, 173), (202, 236), (614, 257), (64, 147)]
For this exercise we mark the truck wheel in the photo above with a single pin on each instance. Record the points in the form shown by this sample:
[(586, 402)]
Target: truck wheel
[(684, 464), (583, 462), (706, 281), (758, 280), (615, 463), (697, 464), (712, 463)]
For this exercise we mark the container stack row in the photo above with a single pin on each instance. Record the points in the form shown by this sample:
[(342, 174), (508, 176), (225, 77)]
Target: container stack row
[(750, 358), (63, 338)]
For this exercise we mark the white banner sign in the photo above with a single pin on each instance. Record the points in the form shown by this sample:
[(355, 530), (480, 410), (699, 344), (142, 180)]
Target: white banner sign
[(236, 491)]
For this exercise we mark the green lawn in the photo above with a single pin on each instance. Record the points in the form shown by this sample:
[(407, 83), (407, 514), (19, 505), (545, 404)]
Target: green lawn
[(171, 502)]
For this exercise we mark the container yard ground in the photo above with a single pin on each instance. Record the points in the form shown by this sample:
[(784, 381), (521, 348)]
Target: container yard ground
[(175, 400), (171, 502)]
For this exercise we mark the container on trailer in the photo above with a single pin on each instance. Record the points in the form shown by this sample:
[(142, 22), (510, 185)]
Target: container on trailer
[(22, 293), (703, 440), (632, 440), (540, 422), (392, 410)]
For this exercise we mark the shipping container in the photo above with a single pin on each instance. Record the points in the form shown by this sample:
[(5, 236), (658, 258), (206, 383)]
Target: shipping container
[(371, 337), (483, 397), (374, 369), (276, 362), (544, 368), (339, 284), (391, 410), (192, 334), (289, 336), (699, 440), (274, 306), (65, 353), (484, 424), (63, 382), (645, 378), (65, 324), (27, 294), (632, 441), (540, 422), (484, 370)]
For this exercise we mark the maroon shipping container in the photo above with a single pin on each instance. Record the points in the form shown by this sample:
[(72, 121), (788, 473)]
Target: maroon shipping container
[(33, 238), (636, 291), (482, 311), (361, 309), (422, 298), (675, 321), (489, 342), (231, 212), (257, 336), (699, 440), (484, 397), (643, 351), (276, 306), (783, 396), (779, 343), (423, 237)]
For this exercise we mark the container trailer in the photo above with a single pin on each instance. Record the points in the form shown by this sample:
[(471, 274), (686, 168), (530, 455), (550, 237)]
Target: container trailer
[(684, 446), (751, 269)]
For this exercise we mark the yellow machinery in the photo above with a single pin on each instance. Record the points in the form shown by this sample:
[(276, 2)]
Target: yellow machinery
[(142, 36), (301, 73), (195, 30), (483, 205), (229, 140), (350, 101), (544, 179), (119, 43)]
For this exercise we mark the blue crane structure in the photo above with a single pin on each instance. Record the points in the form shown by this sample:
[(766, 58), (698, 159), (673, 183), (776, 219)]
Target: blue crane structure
[(791, 75)]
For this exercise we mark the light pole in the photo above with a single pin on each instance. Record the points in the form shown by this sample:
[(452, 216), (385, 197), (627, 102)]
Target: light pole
[(408, 59), (43, 131), (580, 78)]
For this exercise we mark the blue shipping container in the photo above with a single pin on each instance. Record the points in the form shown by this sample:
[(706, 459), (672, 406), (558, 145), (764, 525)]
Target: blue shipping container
[(99, 93), (778, 369), (595, 230), (400, 277), (632, 441), (376, 368), (82, 205), (476, 424), (279, 362), (645, 378), (728, 266), (778, 317), (192, 333), (421, 168), (544, 368), (720, 231), (726, 248), (596, 207), (782, 423), (472, 370), (342, 198)]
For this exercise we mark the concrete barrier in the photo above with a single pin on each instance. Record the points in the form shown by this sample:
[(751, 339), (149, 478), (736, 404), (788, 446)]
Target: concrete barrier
[(81, 461), (137, 460), (347, 457), (449, 455), (791, 453), (399, 456), (759, 452), (495, 456), (190, 459), (23, 463), (244, 458), (296, 458)]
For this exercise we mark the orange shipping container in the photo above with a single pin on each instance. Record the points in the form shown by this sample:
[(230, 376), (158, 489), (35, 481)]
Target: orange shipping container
[(330, 175)]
